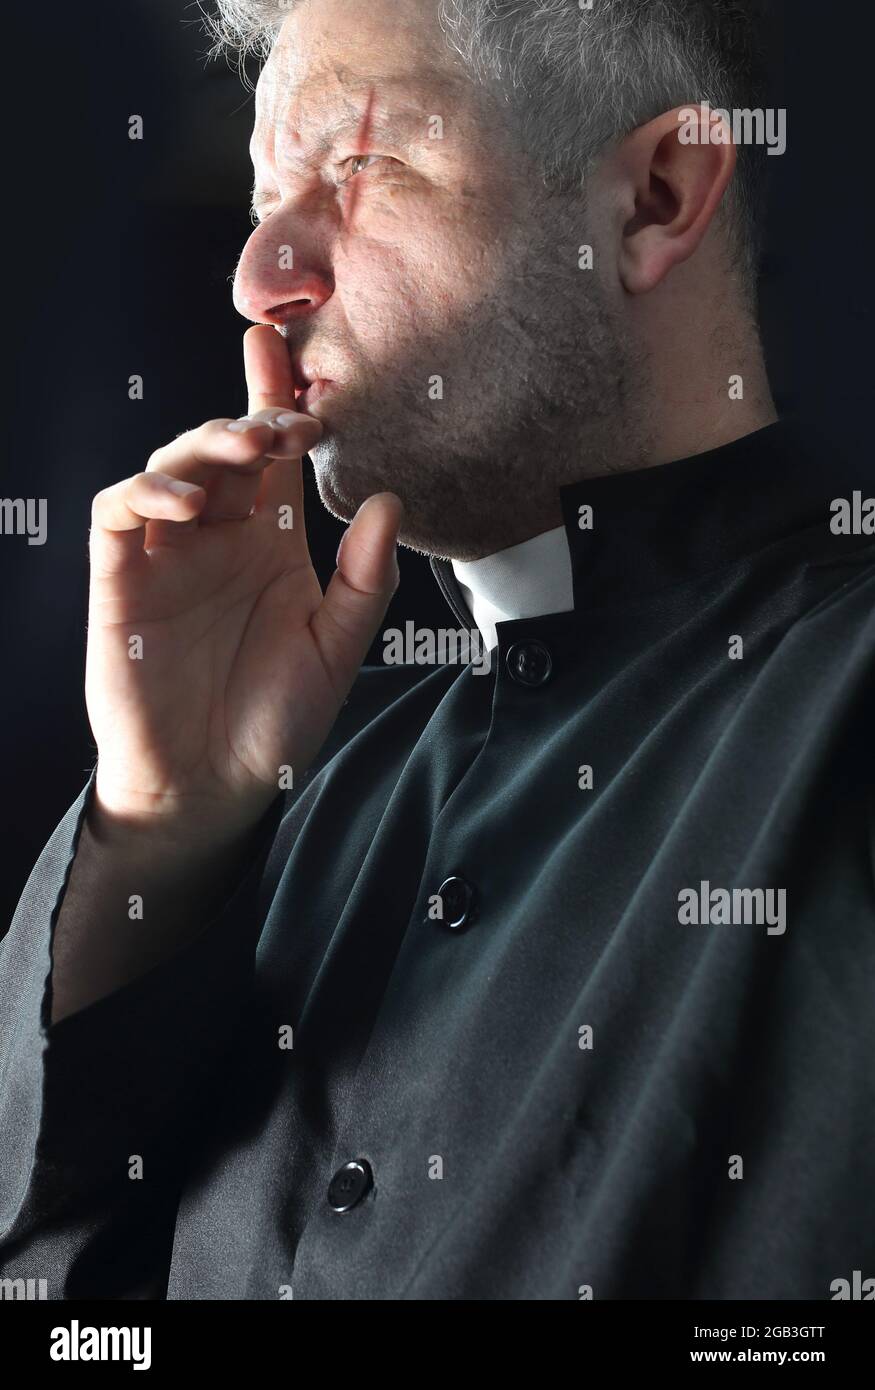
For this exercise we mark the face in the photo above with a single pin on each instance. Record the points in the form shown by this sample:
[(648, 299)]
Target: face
[(410, 254)]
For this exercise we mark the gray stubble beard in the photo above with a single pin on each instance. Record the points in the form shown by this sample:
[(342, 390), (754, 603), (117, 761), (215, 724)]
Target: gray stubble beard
[(542, 387)]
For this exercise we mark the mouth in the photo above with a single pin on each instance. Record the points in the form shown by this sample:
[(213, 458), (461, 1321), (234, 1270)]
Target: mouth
[(310, 386), (308, 395)]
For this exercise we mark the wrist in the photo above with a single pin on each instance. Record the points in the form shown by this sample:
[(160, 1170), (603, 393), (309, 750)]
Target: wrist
[(187, 825)]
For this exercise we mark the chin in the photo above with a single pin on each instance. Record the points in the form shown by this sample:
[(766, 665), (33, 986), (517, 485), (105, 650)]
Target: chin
[(339, 493)]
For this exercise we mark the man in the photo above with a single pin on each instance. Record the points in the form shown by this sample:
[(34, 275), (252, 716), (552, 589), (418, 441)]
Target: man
[(547, 981)]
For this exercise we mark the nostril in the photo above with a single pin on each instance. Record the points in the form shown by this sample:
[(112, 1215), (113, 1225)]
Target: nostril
[(292, 309)]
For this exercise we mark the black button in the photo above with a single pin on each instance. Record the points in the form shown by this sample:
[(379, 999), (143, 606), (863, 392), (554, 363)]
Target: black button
[(349, 1185), (457, 899), (529, 663)]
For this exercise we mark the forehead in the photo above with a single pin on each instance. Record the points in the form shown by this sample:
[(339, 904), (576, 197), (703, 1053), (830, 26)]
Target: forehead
[(331, 55)]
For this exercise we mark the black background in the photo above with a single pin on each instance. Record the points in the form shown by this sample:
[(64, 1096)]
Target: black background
[(119, 262)]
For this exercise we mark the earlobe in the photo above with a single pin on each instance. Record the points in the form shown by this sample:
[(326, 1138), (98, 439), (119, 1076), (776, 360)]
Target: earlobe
[(679, 166)]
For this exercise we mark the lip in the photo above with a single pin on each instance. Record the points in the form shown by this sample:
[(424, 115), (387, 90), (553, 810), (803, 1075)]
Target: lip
[(309, 395)]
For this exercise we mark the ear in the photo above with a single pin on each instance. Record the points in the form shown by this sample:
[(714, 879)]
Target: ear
[(674, 172)]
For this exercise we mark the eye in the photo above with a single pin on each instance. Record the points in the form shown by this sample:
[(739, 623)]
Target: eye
[(359, 160)]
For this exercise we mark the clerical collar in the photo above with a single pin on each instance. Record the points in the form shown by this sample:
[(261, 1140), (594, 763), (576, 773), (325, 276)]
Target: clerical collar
[(524, 581), (627, 535)]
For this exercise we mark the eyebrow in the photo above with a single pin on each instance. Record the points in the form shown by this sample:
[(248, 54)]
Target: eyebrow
[(396, 126)]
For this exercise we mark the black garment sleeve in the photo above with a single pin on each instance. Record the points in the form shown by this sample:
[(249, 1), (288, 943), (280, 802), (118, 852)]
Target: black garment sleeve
[(98, 1111)]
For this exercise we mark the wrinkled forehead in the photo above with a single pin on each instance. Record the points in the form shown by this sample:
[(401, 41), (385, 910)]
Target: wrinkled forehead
[(331, 62)]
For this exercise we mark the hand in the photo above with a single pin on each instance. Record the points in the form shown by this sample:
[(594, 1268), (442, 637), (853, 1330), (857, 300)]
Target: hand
[(213, 657)]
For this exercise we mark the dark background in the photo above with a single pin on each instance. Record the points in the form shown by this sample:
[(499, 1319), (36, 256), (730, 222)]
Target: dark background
[(119, 263)]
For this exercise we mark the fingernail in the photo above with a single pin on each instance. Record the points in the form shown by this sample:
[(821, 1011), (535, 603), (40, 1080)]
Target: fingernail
[(245, 423), (178, 486), (284, 421)]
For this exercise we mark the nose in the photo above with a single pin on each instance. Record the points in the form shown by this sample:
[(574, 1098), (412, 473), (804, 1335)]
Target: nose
[(280, 276)]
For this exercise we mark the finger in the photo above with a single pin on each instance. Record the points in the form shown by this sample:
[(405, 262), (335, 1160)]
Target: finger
[(268, 368), (163, 534), (119, 515), (280, 500), (358, 595), (293, 432), (279, 506), (229, 462), (231, 496), (197, 455)]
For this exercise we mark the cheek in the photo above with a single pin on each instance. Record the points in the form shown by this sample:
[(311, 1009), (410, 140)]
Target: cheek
[(400, 295), (425, 265)]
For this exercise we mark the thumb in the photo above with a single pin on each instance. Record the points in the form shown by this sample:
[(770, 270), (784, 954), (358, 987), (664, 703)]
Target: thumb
[(355, 602)]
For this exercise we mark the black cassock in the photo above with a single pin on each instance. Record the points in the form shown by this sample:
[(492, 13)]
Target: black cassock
[(550, 1077)]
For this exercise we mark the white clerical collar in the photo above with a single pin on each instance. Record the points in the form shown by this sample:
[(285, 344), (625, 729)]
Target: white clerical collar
[(524, 581)]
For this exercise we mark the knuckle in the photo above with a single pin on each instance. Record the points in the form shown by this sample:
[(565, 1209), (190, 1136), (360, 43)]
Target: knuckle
[(156, 458), (102, 500)]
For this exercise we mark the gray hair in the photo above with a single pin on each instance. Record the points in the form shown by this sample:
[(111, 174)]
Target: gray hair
[(579, 79)]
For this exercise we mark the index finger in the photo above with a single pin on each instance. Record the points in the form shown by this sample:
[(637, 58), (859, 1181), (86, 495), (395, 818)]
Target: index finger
[(268, 368)]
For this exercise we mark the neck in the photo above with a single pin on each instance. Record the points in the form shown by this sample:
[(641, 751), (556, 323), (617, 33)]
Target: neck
[(680, 430), (713, 387), (688, 404), (708, 416)]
